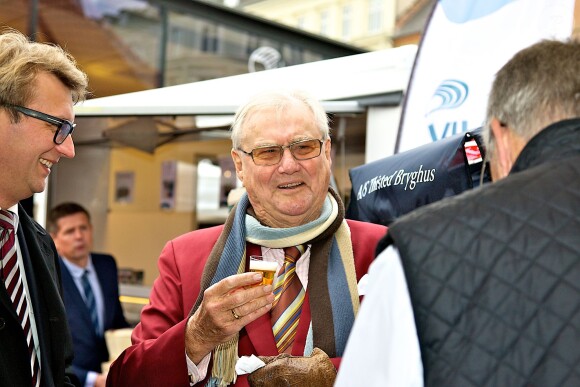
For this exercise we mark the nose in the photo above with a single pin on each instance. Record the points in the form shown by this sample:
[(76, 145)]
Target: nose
[(288, 164), (67, 148)]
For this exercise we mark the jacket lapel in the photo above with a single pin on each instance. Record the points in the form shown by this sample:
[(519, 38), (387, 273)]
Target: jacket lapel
[(261, 336), (102, 276), (44, 285)]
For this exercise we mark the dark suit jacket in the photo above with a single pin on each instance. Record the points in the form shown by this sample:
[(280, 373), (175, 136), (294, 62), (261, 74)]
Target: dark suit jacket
[(89, 349), (43, 278)]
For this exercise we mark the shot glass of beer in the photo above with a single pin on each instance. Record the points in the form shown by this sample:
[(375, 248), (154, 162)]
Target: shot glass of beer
[(268, 269)]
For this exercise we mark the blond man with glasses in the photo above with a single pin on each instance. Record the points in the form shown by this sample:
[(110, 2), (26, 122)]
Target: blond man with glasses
[(39, 84)]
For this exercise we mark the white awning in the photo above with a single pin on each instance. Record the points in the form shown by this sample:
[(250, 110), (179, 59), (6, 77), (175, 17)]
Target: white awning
[(337, 82)]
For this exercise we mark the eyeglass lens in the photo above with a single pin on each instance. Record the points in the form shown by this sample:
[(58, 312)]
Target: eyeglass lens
[(302, 150), (62, 132)]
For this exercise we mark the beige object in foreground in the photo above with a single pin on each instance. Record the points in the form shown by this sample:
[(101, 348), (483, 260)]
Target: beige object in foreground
[(117, 341), (286, 371)]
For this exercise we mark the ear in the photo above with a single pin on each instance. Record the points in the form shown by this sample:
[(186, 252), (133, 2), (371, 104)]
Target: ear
[(238, 164), (327, 148), (501, 161)]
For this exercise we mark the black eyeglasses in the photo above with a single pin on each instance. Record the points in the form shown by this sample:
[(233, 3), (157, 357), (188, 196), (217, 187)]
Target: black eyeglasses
[(272, 154), (64, 127)]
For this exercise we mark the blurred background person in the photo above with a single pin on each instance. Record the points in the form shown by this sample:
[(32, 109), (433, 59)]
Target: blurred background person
[(90, 290)]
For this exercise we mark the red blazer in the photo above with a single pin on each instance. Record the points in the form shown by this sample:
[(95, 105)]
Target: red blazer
[(157, 356)]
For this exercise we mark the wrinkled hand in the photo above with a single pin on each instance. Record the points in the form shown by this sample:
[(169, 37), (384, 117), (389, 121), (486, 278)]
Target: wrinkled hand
[(226, 308), (285, 371)]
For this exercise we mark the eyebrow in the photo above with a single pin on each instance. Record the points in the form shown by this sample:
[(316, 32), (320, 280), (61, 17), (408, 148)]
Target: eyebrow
[(291, 142)]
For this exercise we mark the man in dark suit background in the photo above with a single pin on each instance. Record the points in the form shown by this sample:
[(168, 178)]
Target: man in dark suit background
[(39, 84), (90, 312)]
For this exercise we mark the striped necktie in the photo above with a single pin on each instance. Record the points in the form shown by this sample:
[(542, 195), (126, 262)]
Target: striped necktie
[(15, 287), (287, 305), (90, 301)]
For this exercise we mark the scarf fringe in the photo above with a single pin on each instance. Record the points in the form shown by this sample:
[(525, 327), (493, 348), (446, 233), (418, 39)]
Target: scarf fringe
[(225, 357)]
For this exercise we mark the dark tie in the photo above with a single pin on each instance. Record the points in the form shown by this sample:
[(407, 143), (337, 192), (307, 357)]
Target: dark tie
[(289, 296), (15, 287), (90, 301)]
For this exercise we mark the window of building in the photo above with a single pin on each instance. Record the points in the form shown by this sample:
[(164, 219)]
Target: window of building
[(375, 15), (301, 22), (347, 22), (209, 38), (142, 44), (325, 22)]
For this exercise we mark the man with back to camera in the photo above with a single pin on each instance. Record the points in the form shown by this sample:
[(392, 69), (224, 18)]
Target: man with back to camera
[(39, 84), (90, 290), (203, 313), (493, 275)]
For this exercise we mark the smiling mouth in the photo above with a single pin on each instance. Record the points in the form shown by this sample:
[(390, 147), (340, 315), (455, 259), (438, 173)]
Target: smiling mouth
[(290, 186), (46, 163)]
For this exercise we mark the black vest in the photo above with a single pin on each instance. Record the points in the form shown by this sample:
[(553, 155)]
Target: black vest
[(494, 274)]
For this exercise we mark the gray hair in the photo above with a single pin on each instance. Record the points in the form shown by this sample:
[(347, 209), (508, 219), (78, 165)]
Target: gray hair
[(278, 100), (540, 85)]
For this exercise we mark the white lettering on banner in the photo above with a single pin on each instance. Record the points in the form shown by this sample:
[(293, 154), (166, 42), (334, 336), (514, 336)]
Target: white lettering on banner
[(407, 179), (450, 129)]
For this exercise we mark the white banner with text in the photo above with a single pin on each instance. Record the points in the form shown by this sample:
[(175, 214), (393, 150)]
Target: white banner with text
[(465, 43)]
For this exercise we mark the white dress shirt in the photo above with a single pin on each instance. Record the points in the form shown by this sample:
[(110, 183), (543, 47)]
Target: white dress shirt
[(383, 348)]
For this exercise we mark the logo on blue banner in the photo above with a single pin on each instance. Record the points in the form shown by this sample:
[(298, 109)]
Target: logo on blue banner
[(450, 94)]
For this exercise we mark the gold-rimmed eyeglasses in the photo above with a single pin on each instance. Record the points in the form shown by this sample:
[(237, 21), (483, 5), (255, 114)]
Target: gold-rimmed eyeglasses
[(272, 154)]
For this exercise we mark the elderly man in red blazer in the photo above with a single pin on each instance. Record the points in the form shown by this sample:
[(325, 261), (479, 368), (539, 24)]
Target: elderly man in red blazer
[(205, 308)]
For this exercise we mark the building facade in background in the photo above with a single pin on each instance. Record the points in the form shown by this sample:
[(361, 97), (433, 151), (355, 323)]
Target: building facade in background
[(369, 24), (134, 45)]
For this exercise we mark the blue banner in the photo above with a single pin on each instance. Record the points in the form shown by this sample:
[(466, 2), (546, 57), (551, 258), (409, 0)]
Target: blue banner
[(388, 188)]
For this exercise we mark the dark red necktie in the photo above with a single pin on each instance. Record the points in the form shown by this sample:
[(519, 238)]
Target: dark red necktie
[(15, 287)]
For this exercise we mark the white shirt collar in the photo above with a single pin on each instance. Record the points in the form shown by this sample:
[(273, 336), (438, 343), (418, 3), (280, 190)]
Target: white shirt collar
[(75, 270), (14, 210)]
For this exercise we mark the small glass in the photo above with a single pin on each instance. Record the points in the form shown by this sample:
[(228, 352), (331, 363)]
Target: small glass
[(268, 269)]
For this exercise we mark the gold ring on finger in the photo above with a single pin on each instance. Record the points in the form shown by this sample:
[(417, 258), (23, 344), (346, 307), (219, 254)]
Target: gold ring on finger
[(235, 314)]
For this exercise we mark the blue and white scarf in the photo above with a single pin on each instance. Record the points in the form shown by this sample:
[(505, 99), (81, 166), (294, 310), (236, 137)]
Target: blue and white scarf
[(335, 301)]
